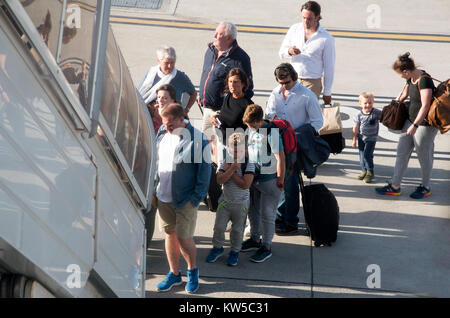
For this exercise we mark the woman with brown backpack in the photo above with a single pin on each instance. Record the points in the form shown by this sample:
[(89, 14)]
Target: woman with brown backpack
[(416, 133)]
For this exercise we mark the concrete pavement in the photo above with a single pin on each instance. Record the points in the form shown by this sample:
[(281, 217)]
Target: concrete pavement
[(407, 239)]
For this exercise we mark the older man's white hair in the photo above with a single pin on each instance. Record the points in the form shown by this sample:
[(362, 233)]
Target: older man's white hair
[(166, 52), (230, 29)]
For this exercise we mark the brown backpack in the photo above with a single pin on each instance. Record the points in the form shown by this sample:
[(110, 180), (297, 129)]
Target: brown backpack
[(439, 112)]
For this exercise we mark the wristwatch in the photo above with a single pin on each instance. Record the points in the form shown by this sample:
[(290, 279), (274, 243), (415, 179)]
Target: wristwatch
[(415, 125)]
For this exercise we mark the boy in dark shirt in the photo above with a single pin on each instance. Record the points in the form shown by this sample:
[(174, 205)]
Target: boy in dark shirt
[(366, 131)]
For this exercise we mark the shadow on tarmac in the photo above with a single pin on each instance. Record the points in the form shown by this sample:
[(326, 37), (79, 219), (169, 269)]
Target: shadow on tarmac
[(354, 188), (393, 241), (404, 236)]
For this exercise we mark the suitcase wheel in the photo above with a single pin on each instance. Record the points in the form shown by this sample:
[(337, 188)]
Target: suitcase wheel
[(318, 243)]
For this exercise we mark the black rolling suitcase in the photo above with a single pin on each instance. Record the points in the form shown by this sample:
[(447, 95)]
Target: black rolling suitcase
[(321, 213)]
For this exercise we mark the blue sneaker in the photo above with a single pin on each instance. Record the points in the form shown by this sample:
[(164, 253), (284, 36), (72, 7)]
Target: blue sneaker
[(261, 255), (214, 254), (420, 193), (232, 258), (250, 245), (170, 281), (192, 283)]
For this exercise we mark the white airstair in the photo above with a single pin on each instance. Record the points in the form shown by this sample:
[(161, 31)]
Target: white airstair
[(76, 155)]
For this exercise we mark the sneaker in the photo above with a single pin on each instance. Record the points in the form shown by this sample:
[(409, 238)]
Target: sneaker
[(388, 189), (261, 255), (369, 177), (214, 254), (362, 175), (170, 281), (232, 258), (192, 281), (250, 245), (420, 193)]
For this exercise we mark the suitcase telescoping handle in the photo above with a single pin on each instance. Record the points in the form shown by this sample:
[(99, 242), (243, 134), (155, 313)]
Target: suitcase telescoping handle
[(300, 179), (302, 184)]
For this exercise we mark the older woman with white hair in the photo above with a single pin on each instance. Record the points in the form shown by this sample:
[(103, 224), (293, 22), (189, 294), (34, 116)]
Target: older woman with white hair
[(166, 73)]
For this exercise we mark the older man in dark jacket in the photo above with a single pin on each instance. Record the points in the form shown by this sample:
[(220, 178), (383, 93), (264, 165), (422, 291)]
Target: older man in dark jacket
[(222, 55)]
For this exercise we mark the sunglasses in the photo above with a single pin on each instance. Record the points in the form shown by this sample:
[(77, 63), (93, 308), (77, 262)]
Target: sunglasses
[(285, 83)]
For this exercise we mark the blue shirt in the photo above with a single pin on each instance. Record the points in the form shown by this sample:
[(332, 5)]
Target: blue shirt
[(182, 84), (368, 124), (300, 107)]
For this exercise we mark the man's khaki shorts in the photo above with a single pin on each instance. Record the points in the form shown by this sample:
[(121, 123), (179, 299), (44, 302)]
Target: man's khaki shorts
[(182, 221)]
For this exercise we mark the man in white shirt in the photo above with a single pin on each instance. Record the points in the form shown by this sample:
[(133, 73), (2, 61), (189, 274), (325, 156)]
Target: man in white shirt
[(311, 51), (298, 105)]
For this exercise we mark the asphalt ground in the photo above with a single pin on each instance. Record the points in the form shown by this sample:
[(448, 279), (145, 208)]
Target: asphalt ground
[(405, 241)]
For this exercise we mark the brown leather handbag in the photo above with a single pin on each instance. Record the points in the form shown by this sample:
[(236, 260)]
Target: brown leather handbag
[(394, 115)]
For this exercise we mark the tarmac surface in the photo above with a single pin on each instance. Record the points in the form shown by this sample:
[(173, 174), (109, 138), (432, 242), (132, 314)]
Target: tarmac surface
[(401, 243)]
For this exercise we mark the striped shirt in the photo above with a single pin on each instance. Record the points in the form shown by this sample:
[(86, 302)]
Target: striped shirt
[(233, 193)]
